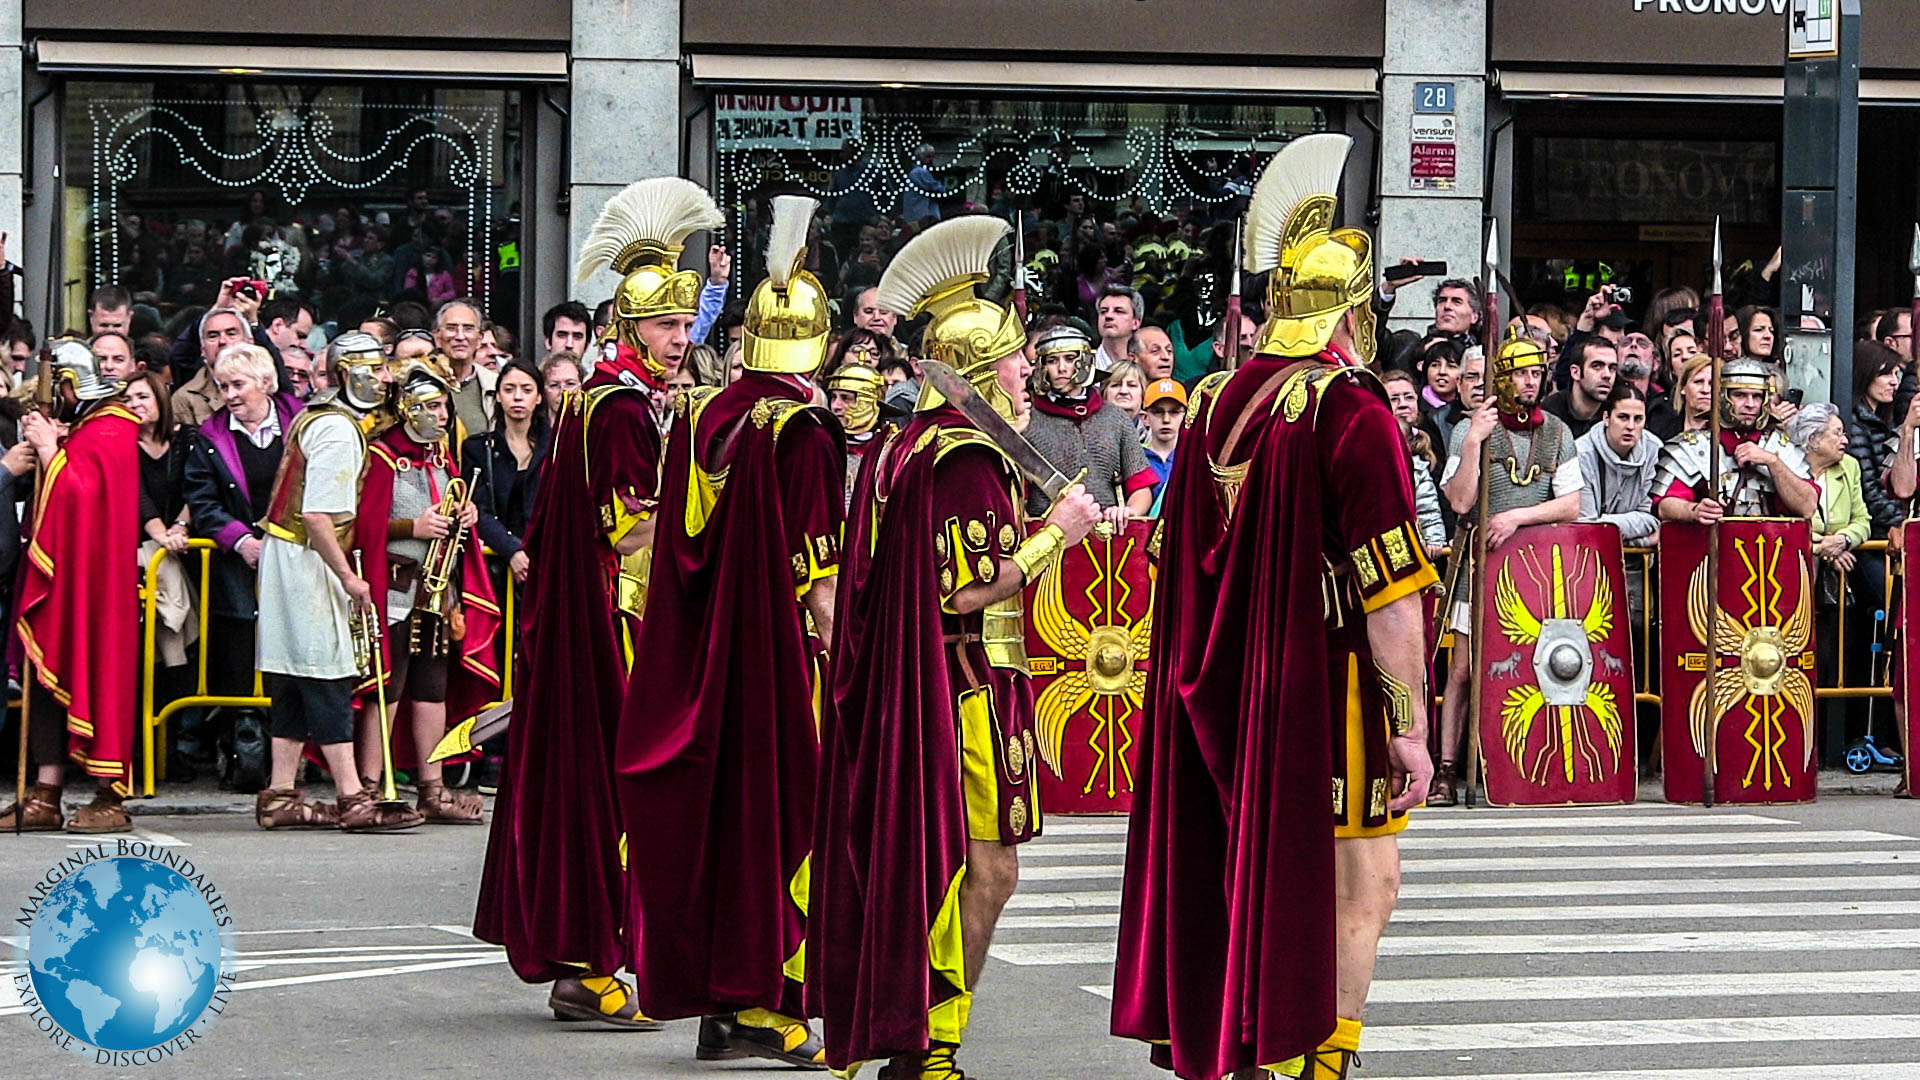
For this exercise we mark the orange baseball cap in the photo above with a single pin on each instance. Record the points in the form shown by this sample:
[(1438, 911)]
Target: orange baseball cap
[(1162, 389)]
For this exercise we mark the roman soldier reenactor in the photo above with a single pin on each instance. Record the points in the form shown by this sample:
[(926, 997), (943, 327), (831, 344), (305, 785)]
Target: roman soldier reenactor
[(436, 600), (1286, 665), (719, 744), (1761, 473), (553, 891), (312, 597), (80, 628), (853, 395), (927, 745)]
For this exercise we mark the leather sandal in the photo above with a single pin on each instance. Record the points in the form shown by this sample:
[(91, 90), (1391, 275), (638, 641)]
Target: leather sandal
[(1443, 792), (599, 997), (788, 1041), (107, 813), (359, 813), (42, 811), (441, 805), (287, 808)]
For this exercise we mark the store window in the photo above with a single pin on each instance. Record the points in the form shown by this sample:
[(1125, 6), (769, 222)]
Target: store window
[(353, 197), (1105, 190)]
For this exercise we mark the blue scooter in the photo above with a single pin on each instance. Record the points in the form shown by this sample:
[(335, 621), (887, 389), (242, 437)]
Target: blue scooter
[(1864, 755)]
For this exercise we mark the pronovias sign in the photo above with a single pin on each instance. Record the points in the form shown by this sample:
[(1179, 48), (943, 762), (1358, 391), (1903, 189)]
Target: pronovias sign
[(1678, 36)]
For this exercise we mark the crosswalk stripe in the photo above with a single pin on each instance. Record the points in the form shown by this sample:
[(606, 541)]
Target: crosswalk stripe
[(1083, 827), (1659, 1032), (1422, 823), (1413, 842), (1874, 1071), (1095, 872), (1606, 987), (1031, 901), (1669, 861), (1614, 987), (1833, 909), (1693, 941), (1486, 890)]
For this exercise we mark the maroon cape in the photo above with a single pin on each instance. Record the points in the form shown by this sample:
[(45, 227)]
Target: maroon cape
[(474, 679), (81, 627), (552, 889), (1227, 919), (718, 744), (890, 828)]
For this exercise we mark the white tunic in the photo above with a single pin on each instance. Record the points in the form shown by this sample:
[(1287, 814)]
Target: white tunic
[(304, 628)]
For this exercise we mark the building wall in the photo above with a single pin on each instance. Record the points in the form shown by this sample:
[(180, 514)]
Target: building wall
[(11, 70)]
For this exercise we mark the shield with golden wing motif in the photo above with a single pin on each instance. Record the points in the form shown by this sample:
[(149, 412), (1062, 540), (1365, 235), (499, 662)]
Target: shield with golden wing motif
[(1753, 710), (1088, 623), (1556, 695)]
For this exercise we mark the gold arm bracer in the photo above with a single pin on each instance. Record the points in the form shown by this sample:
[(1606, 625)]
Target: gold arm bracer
[(1039, 551), (1400, 698)]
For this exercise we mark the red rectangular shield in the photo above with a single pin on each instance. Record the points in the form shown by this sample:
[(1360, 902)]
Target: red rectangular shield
[(1556, 692), (1089, 620), (1756, 715), (1906, 650)]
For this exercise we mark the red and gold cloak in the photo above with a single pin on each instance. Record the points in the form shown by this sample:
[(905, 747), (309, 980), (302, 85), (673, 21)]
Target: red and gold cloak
[(552, 889), (718, 745), (81, 626), (473, 680), (934, 509), (1226, 953)]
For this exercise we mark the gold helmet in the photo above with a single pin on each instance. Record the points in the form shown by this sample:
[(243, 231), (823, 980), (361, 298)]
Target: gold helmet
[(640, 234), (865, 384), (1518, 352), (938, 272), (787, 324), (1317, 272)]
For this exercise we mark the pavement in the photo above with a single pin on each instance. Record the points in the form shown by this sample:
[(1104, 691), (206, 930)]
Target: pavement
[(1632, 943)]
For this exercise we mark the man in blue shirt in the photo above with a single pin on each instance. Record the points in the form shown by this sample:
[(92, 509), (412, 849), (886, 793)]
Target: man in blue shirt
[(917, 201)]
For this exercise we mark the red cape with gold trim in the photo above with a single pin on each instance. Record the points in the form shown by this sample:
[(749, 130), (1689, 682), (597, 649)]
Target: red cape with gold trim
[(81, 628), (890, 836), (474, 681), (1226, 944), (553, 889), (718, 749)]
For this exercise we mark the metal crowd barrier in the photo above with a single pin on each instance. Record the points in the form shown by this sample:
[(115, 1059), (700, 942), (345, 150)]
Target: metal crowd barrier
[(153, 725)]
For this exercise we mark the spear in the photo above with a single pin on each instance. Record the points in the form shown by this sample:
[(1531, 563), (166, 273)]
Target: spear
[(1716, 347), (1913, 319), (43, 401), (1476, 579), (1019, 268), (1230, 321)]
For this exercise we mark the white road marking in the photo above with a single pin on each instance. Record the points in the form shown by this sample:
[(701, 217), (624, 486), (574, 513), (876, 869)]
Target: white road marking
[(1691, 861), (1642, 887), (1726, 1029), (1831, 909), (1410, 842), (1873, 1071), (1421, 824), (9, 994)]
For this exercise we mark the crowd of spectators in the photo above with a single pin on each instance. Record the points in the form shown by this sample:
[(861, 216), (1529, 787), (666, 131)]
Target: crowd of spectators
[(217, 327)]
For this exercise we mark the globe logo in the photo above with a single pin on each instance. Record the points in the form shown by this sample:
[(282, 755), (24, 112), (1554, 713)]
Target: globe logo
[(124, 953)]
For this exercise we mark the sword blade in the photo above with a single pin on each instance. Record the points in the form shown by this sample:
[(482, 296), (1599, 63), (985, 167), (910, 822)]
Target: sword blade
[(982, 415), (471, 732)]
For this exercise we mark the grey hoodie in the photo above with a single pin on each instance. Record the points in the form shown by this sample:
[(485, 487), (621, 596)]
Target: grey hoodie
[(1616, 490)]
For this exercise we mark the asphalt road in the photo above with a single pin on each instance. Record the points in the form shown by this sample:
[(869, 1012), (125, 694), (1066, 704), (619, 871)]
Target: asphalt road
[(1605, 944)]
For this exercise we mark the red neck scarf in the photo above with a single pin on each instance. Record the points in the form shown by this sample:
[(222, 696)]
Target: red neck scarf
[(1529, 422), (1074, 409)]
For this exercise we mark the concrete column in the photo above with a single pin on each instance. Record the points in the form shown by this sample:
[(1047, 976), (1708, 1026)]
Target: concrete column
[(1432, 41), (625, 110), (12, 59)]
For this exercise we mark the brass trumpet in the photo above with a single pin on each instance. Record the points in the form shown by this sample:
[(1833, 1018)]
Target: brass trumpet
[(365, 623), (441, 564)]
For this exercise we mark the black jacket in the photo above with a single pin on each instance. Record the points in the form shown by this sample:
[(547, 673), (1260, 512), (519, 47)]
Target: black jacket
[(1874, 441), (221, 511), (502, 491)]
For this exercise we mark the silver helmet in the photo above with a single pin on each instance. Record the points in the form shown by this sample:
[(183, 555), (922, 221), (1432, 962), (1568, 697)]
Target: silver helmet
[(75, 365), (1059, 341), (415, 388), (356, 361)]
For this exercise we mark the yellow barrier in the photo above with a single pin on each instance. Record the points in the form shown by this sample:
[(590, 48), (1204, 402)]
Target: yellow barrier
[(153, 726)]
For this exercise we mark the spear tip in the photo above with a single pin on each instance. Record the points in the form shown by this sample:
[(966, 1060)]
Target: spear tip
[(1913, 255)]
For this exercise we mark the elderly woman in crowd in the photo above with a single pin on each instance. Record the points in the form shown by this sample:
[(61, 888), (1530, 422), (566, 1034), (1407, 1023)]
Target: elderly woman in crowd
[(230, 468), (1839, 525)]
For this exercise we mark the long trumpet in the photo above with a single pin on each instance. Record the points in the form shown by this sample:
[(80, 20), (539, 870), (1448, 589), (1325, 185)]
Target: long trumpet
[(442, 562), (372, 660)]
